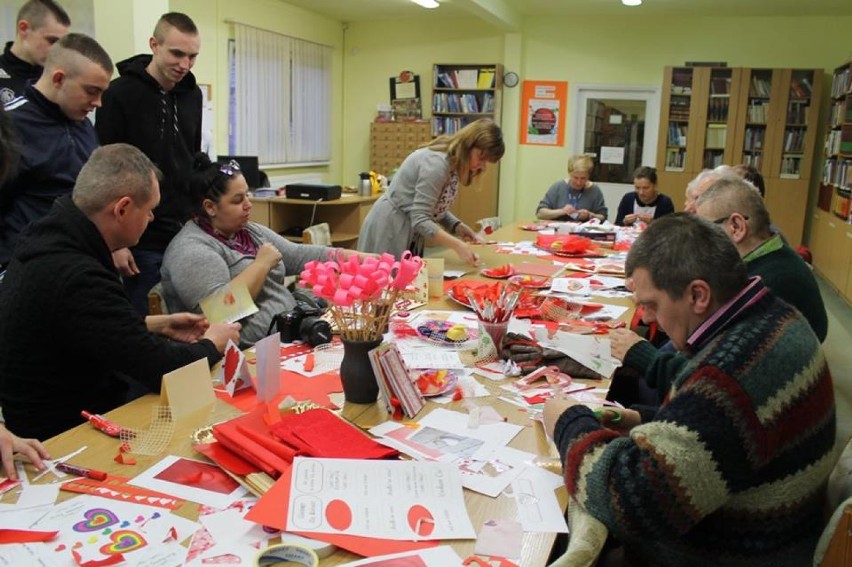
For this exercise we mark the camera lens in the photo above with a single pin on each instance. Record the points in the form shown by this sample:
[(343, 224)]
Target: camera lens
[(315, 331)]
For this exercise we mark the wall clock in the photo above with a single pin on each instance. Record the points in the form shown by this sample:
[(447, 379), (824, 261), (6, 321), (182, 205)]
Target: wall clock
[(510, 79)]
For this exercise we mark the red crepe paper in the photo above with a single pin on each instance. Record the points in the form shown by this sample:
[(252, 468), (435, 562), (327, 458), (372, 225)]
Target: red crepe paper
[(226, 459), (232, 434), (566, 244), (25, 536), (319, 433)]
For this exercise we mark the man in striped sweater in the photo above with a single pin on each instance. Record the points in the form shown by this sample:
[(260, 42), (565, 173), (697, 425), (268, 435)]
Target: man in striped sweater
[(730, 470)]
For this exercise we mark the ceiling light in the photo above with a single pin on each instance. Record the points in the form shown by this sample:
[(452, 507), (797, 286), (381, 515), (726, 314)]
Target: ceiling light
[(429, 3), (630, 2)]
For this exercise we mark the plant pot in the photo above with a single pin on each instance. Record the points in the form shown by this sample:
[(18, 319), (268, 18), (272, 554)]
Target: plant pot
[(356, 372)]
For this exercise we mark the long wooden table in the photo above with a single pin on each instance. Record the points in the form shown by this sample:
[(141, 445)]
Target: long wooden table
[(137, 414)]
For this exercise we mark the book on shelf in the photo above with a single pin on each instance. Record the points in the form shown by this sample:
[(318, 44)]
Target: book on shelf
[(760, 87), (486, 79), (466, 78)]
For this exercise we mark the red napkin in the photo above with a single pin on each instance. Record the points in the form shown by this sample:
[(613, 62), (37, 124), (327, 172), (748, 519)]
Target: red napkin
[(319, 433)]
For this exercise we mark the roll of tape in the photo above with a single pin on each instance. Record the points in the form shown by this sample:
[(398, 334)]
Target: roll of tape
[(286, 552)]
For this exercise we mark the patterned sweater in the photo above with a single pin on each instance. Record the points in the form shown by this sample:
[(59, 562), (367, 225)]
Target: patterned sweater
[(731, 469)]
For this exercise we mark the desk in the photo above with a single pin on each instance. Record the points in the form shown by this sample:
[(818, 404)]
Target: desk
[(344, 215), (137, 414)]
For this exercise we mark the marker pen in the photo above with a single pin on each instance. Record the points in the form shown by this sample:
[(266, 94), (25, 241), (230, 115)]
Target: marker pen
[(102, 423), (81, 471)]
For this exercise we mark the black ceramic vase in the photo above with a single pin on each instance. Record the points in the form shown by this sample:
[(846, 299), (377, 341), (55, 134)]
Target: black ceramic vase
[(356, 372)]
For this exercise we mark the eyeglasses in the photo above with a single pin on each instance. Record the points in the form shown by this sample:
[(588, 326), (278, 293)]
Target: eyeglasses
[(230, 168), (726, 217)]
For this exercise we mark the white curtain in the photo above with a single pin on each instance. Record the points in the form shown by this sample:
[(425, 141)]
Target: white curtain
[(282, 98)]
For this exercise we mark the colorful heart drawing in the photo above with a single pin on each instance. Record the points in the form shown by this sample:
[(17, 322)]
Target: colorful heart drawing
[(107, 531), (123, 541), (96, 519), (125, 523)]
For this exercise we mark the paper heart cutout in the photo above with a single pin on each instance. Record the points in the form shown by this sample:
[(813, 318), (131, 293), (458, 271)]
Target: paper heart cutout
[(60, 547), (96, 519), (123, 541), (107, 531)]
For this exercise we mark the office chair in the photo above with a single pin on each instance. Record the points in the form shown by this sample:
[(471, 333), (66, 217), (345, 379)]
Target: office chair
[(317, 234)]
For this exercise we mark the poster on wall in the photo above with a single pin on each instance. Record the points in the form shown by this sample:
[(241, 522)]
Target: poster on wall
[(543, 112)]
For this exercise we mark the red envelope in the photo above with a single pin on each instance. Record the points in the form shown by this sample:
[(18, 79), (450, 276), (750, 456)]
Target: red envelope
[(273, 507)]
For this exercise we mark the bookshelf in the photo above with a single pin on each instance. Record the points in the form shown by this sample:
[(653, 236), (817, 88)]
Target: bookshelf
[(463, 93), (831, 232)]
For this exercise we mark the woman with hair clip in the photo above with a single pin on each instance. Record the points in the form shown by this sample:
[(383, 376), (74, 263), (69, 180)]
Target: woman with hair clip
[(220, 246), (416, 207)]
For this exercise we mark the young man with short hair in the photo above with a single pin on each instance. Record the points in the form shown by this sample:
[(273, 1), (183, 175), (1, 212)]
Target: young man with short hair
[(55, 136), (155, 105), (40, 24)]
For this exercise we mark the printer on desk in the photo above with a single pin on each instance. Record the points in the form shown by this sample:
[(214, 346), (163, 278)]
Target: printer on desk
[(312, 191)]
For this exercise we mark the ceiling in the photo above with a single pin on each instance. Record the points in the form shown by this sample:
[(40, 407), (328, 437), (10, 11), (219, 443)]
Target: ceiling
[(376, 10)]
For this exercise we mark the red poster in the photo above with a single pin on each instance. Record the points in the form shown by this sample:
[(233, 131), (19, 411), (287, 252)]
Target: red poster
[(543, 112)]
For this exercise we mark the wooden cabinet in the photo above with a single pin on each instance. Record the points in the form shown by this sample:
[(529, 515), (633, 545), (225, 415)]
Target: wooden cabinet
[(831, 233), (391, 142), (289, 217), (763, 117)]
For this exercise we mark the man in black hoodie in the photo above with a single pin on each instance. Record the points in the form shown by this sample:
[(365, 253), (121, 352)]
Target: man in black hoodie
[(40, 24), (155, 105)]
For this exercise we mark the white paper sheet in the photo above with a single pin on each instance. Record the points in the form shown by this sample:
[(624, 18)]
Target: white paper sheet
[(538, 507), (401, 500), (457, 422), (592, 351)]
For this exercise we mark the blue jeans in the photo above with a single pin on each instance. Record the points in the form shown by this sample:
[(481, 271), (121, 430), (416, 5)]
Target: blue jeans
[(138, 286)]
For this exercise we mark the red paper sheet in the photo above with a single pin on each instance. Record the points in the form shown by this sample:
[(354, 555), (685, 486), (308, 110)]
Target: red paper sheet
[(301, 388), (24, 536), (272, 509), (319, 433)]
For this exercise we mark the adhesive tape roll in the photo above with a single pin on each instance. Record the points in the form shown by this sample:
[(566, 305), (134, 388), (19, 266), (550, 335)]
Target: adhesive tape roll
[(288, 552)]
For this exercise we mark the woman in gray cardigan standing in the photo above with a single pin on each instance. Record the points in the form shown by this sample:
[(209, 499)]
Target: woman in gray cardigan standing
[(416, 206)]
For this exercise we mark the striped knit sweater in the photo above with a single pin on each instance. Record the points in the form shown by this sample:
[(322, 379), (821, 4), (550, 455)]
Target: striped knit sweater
[(731, 469)]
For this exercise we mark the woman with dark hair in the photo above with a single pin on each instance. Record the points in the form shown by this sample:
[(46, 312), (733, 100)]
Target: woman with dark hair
[(416, 207), (645, 203), (220, 246)]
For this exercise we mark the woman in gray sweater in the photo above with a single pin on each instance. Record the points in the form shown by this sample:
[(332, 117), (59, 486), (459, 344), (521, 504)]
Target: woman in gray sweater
[(220, 246), (416, 206)]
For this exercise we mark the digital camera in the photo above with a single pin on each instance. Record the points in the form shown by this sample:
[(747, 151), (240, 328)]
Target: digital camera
[(304, 322)]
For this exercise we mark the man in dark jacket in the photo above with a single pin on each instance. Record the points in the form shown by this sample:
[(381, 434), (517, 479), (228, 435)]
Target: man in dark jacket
[(155, 105), (56, 138), (66, 325), (40, 24)]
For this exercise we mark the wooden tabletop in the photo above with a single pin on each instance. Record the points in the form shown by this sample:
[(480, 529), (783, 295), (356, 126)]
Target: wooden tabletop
[(102, 449)]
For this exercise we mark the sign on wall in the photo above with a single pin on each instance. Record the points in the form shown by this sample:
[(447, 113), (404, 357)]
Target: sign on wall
[(543, 112)]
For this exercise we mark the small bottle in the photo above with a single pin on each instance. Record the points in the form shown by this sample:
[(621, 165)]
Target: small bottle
[(365, 188)]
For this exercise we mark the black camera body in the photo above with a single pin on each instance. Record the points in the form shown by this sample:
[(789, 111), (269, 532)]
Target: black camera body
[(304, 322)]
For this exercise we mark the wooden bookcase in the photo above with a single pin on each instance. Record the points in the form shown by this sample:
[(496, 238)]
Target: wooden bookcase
[(831, 232), (461, 94), (766, 117)]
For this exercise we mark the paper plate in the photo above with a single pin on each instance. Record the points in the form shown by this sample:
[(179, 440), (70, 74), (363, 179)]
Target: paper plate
[(429, 388)]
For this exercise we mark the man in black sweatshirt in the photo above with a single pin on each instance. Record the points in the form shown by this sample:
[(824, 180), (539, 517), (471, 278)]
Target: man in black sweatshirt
[(155, 105)]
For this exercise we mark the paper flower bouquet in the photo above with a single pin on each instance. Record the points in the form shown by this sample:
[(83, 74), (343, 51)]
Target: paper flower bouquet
[(361, 291)]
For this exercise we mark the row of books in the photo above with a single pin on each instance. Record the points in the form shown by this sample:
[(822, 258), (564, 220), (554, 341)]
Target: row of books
[(836, 172), (791, 166), (713, 159), (797, 112), (839, 114), (675, 159), (760, 86), (832, 142), (716, 136), (754, 139), (794, 139), (466, 79), (800, 87), (449, 124), (443, 102), (677, 134), (753, 159), (720, 85), (841, 83), (717, 109), (841, 205), (757, 112)]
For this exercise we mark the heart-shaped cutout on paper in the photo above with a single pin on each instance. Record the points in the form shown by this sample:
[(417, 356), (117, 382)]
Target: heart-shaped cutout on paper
[(96, 519), (123, 541)]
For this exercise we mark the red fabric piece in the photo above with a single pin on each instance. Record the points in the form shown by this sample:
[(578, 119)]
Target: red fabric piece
[(273, 507), (319, 433), (25, 536)]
